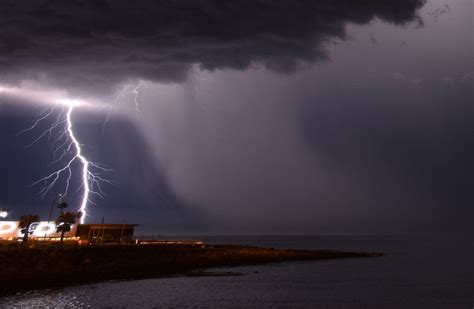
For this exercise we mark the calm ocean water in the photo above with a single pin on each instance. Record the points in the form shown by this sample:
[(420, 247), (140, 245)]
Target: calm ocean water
[(418, 272)]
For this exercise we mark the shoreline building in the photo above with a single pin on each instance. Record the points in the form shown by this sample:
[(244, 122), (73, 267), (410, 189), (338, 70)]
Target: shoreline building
[(106, 233)]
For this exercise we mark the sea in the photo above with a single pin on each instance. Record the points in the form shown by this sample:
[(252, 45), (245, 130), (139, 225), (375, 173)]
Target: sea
[(418, 271)]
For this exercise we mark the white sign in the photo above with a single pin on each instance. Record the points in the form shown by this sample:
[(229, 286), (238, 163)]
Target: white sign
[(10, 229)]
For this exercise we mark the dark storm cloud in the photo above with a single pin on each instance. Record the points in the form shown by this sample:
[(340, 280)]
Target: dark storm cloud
[(86, 44)]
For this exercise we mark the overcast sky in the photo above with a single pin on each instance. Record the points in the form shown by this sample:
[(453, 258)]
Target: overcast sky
[(252, 116)]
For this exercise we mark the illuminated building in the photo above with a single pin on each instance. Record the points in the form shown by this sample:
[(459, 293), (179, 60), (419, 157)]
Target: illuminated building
[(103, 233), (94, 233)]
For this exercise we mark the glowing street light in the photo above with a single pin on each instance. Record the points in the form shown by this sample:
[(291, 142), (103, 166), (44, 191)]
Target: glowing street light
[(3, 213)]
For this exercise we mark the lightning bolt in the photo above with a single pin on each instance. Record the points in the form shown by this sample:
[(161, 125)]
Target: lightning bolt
[(126, 91), (69, 152), (135, 94), (85, 165)]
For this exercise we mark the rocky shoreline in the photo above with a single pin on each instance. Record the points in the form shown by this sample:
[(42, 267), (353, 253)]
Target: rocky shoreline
[(46, 268)]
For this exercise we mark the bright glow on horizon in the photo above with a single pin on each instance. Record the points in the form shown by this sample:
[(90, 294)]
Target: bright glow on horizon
[(71, 103), (49, 97)]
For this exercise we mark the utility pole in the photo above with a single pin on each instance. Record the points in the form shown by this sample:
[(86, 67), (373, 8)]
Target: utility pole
[(52, 206), (103, 230), (51, 210), (122, 232)]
